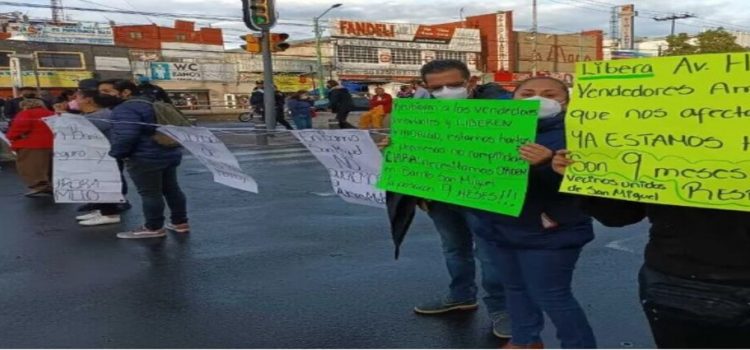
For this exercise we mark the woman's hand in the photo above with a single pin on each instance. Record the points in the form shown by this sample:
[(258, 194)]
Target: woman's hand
[(536, 154), (385, 142), (560, 161)]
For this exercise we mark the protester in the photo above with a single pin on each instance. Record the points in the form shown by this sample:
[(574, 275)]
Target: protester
[(256, 99), (12, 106), (91, 105), (405, 91), (150, 91), (66, 102), (695, 280), (152, 167), (534, 255), (447, 79), (383, 99), (32, 141), (280, 100), (340, 102), (300, 105)]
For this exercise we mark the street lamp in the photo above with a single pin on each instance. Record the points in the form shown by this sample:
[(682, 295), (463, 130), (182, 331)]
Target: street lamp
[(318, 34)]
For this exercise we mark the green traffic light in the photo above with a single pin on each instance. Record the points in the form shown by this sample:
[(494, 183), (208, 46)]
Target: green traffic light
[(259, 20)]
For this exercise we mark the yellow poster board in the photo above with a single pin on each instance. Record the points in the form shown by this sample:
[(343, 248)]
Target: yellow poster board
[(284, 82), (667, 130), (47, 79)]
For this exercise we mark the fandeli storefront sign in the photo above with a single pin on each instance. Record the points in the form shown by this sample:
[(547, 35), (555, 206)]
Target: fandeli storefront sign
[(404, 35)]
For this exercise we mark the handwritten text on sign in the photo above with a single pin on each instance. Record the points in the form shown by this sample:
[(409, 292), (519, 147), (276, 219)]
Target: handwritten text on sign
[(463, 152), (668, 130), (83, 171), (353, 162), (210, 151)]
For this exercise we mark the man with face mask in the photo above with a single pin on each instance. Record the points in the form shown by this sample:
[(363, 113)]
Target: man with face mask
[(448, 79), (151, 166)]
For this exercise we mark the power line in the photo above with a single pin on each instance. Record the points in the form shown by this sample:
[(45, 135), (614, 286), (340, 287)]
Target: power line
[(674, 19)]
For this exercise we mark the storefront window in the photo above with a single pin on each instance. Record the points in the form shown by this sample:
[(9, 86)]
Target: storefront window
[(69, 60), (357, 54), (450, 55), (406, 56)]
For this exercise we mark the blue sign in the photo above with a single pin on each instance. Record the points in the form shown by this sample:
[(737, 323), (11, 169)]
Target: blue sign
[(160, 71)]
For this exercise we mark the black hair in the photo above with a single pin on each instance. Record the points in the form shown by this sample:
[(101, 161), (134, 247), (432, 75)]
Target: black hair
[(563, 86), (122, 85), (439, 66), (332, 82)]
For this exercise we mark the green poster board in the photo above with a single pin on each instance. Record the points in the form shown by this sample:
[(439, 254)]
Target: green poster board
[(463, 152)]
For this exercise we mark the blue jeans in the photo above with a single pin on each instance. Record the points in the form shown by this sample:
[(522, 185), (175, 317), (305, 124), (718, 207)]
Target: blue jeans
[(302, 121), (157, 181), (537, 281), (458, 250)]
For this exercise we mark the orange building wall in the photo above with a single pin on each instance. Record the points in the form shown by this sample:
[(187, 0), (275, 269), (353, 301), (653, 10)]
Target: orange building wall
[(153, 36)]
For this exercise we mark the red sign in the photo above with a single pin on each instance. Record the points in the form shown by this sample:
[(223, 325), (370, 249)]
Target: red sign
[(430, 34), (380, 30)]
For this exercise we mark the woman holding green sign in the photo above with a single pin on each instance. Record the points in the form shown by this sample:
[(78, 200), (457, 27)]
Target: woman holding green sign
[(535, 254)]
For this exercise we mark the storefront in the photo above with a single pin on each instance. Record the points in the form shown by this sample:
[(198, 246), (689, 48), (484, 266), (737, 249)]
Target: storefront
[(391, 54)]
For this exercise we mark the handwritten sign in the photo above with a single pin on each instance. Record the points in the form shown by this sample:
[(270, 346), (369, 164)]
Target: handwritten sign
[(353, 162), (83, 171), (668, 130), (463, 152), (212, 153)]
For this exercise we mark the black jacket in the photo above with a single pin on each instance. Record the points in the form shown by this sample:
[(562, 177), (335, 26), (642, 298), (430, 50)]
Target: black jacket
[(703, 244), (340, 100)]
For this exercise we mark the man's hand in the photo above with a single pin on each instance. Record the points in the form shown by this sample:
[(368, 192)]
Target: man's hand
[(561, 161), (536, 154)]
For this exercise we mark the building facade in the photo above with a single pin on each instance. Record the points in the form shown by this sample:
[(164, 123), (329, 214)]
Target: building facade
[(59, 66), (380, 53)]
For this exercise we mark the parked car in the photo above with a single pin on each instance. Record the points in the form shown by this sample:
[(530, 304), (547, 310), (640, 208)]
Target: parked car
[(361, 103)]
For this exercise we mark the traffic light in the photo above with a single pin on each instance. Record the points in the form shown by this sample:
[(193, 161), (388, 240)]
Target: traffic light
[(277, 42), (252, 43), (259, 14)]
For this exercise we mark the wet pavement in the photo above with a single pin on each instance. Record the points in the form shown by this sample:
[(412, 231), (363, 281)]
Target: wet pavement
[(291, 267)]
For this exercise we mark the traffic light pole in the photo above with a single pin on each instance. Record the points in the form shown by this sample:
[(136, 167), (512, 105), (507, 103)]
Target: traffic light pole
[(269, 93), (319, 54)]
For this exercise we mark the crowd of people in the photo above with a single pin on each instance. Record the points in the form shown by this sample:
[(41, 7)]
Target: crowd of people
[(126, 114), (694, 284)]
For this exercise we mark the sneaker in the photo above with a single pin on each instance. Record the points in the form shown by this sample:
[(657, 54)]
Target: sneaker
[(88, 216), (101, 220), (443, 305), (501, 324), (179, 228), (142, 232)]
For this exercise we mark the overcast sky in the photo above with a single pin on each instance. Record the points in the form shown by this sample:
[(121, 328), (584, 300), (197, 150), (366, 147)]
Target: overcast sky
[(555, 16)]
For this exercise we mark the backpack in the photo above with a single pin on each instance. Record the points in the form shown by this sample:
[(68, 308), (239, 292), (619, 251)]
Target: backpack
[(166, 114)]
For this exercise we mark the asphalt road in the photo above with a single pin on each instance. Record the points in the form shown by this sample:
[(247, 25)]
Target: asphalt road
[(291, 267)]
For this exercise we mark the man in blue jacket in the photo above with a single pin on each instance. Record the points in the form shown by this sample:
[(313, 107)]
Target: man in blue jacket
[(152, 167)]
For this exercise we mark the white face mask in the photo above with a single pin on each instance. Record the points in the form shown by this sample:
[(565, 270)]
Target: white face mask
[(451, 93), (548, 107)]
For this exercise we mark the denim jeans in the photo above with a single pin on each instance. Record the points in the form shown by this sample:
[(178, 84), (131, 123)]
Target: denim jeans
[(157, 181), (537, 281), (302, 121), (458, 250)]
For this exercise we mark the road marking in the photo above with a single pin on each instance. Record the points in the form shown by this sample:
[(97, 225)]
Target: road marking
[(620, 245)]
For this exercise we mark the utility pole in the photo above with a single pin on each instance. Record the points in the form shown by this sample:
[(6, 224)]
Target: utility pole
[(269, 91), (673, 18), (534, 38), (319, 50)]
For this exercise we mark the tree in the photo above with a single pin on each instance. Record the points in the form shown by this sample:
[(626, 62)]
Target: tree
[(710, 41), (679, 45)]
